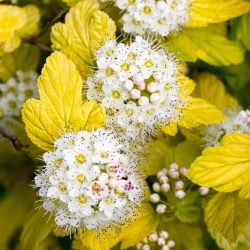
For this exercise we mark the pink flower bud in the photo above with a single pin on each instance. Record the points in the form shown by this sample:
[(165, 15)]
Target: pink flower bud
[(113, 182), (171, 243), (135, 93), (128, 85), (184, 171), (153, 237), (161, 241), (163, 179), (203, 190), (152, 87), (180, 194), (154, 198), (143, 101), (139, 246), (157, 75), (155, 98), (174, 166), (138, 79), (164, 171), (161, 208), (163, 234), (179, 185), (141, 86), (145, 247), (173, 174), (165, 247), (156, 187), (165, 187), (161, 5), (103, 178)]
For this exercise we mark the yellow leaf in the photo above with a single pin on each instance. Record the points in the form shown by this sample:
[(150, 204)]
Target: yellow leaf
[(204, 12), (12, 18), (145, 222), (60, 108), (171, 129), (71, 2), (25, 58), (11, 44), (245, 191), (36, 227), (199, 112), (228, 214), (225, 168), (86, 28), (207, 44), (211, 89), (32, 19)]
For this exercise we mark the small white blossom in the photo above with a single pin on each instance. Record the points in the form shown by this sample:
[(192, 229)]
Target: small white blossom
[(90, 181)]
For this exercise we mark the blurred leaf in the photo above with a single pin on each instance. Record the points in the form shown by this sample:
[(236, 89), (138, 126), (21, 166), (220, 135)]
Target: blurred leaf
[(228, 214), (60, 107), (240, 29), (37, 226), (13, 209), (25, 58), (207, 44)]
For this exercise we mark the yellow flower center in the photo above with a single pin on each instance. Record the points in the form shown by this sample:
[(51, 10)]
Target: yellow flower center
[(80, 178), (98, 85), (116, 94), (26, 79), (132, 56), (236, 127), (11, 89), (109, 52), (125, 67), (173, 5), (82, 199), (150, 111), (162, 21), (136, 23), (129, 112), (62, 187), (28, 93), (12, 104), (111, 169), (147, 10), (109, 200), (148, 64), (110, 112), (58, 163), (109, 71), (131, 1), (80, 159), (104, 154), (96, 188)]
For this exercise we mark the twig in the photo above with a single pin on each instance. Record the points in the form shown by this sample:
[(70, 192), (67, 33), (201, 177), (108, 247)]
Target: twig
[(15, 142), (34, 39)]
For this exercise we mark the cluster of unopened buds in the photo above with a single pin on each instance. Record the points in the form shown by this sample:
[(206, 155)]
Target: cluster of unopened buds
[(157, 16), (156, 241), (171, 180), (236, 121)]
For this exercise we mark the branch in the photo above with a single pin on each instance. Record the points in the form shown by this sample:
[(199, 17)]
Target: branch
[(15, 142)]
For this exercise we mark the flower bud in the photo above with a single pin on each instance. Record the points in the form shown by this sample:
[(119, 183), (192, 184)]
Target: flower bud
[(145, 240), (95, 170), (161, 208), (138, 79), (139, 246), (180, 194), (243, 114), (165, 187), (163, 179), (161, 241), (164, 171), (141, 86), (152, 87), (155, 98), (120, 186), (171, 243), (161, 5), (128, 85), (153, 237), (143, 101), (113, 182), (154, 198), (163, 234), (145, 247), (156, 187), (203, 190), (165, 247), (174, 166), (157, 75), (179, 185), (103, 178), (183, 171), (135, 93), (173, 174)]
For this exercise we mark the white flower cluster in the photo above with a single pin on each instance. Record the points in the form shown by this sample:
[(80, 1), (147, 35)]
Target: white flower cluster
[(137, 85), (158, 16), (236, 121), (90, 182), (155, 241), (16, 91)]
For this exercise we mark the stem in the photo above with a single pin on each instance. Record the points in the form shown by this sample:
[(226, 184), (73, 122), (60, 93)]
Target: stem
[(15, 142)]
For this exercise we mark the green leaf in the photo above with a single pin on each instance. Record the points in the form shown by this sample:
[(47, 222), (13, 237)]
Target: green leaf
[(228, 214), (208, 45), (36, 228), (240, 29), (25, 58)]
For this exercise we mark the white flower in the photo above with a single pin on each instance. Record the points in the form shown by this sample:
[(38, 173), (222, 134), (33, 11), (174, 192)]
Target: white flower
[(145, 94), (81, 180), (236, 121)]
